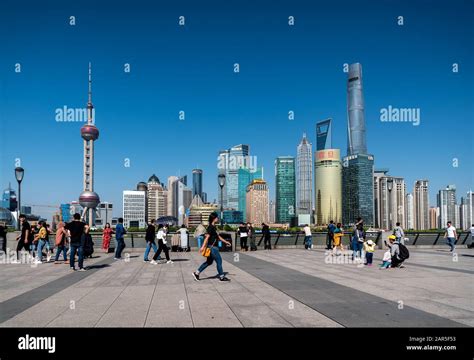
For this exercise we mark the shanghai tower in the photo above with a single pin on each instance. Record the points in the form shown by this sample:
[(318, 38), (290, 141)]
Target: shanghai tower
[(358, 165)]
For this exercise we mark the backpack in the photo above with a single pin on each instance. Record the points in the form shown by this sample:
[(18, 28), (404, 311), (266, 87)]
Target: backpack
[(404, 253)]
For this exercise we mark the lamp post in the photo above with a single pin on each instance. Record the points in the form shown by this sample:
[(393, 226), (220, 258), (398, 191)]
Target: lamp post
[(221, 181), (390, 187), (19, 173)]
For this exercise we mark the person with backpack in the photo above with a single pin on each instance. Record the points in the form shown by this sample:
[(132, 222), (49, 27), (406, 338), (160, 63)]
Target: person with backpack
[(61, 243), (399, 234), (450, 235), (76, 229), (398, 251), (267, 236), (210, 249), (161, 236), (119, 238), (150, 240), (330, 235), (243, 234)]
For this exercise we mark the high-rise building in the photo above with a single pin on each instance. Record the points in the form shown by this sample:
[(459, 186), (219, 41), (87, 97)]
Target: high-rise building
[(179, 198), (237, 158), (204, 197), (157, 197), (272, 212), (323, 135), (172, 197), (106, 210), (328, 186), (257, 202), (65, 212), (285, 189), (434, 217), (197, 182), (467, 211), (199, 212), (421, 205), (89, 199), (142, 186), (447, 204), (134, 208), (389, 200), (9, 200), (245, 177), (304, 178), (358, 165), (409, 211)]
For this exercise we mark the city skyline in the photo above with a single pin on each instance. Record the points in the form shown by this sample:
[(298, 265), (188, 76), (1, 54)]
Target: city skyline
[(315, 90)]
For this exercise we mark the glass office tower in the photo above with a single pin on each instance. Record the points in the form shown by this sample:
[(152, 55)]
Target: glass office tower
[(285, 189)]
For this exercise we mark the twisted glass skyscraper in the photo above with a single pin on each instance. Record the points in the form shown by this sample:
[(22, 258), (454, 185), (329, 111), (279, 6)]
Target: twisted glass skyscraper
[(358, 166)]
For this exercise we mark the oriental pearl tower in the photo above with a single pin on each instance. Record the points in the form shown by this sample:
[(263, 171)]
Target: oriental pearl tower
[(89, 199)]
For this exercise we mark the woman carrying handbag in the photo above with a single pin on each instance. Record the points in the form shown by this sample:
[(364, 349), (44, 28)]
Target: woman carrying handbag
[(210, 250)]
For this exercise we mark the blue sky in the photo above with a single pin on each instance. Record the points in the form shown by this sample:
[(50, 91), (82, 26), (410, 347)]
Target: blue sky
[(190, 68)]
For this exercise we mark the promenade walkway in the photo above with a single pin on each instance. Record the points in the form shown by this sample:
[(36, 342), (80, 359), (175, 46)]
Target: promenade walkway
[(278, 288)]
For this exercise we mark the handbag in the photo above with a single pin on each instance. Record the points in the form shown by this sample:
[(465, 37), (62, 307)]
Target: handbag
[(207, 251)]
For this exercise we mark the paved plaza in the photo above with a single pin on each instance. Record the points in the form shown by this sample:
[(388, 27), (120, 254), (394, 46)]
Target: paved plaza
[(278, 288)]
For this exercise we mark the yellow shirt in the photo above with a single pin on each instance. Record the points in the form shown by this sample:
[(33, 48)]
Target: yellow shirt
[(369, 248)]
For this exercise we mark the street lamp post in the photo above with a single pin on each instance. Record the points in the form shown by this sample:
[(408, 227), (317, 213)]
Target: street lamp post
[(19, 173), (390, 187), (221, 181)]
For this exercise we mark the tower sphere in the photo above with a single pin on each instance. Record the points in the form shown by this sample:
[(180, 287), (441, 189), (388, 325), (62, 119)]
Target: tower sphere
[(89, 199), (89, 132)]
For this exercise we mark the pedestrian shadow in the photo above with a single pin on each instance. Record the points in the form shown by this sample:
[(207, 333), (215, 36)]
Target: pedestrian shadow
[(101, 266), (214, 277), (179, 260)]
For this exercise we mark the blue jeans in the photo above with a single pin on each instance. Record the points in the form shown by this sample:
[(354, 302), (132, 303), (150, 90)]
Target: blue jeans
[(356, 247), (39, 252), (369, 256), (149, 245), (72, 255), (59, 249), (120, 247), (308, 242), (451, 241), (215, 255)]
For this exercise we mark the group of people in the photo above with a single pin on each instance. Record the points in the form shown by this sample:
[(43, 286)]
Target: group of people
[(246, 233), (159, 233)]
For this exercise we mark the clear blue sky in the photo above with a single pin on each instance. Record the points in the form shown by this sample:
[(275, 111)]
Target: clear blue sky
[(190, 68)]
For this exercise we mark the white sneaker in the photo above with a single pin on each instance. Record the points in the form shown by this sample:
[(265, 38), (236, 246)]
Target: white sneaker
[(15, 262), (153, 262), (169, 262), (48, 257), (37, 261)]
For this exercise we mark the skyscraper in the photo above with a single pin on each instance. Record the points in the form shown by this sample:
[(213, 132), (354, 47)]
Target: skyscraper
[(304, 178), (180, 198), (434, 217), (421, 205), (409, 210), (389, 200), (257, 202), (134, 208), (245, 177), (89, 132), (468, 211), (285, 189), (197, 182), (358, 166), (328, 186), (9, 200), (447, 204), (323, 135), (157, 197)]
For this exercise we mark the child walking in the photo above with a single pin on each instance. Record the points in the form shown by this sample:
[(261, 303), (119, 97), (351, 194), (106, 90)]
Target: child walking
[(369, 248)]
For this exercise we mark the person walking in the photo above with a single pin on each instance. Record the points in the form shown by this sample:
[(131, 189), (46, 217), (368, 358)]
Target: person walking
[(40, 240), (3, 239), (253, 246), (358, 239), (107, 237), (76, 229), (25, 237), (369, 248), (61, 243), (150, 240), (243, 234), (399, 233), (330, 236), (451, 235), (337, 242), (308, 237), (471, 246), (161, 236), (184, 238), (119, 238), (267, 236), (210, 248)]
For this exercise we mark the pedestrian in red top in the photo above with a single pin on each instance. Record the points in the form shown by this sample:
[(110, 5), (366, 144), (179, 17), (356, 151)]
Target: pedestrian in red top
[(106, 237)]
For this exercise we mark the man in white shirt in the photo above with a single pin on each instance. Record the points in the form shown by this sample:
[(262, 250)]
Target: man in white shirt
[(308, 237), (451, 236)]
